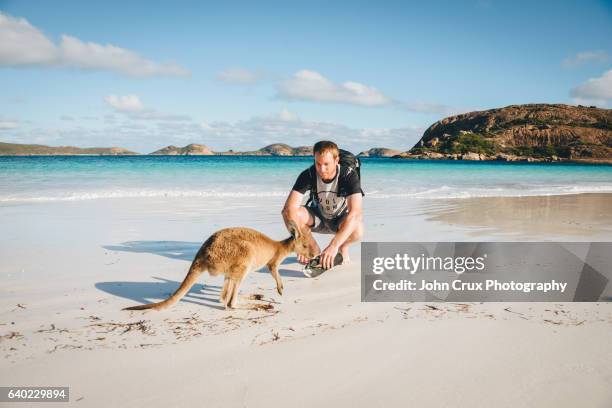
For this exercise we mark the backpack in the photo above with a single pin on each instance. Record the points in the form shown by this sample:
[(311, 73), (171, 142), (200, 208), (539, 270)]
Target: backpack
[(347, 161)]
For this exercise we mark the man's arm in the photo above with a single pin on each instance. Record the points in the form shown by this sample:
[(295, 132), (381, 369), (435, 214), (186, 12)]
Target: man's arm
[(292, 204), (352, 220)]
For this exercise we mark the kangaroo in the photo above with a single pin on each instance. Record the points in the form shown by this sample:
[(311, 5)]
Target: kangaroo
[(235, 252)]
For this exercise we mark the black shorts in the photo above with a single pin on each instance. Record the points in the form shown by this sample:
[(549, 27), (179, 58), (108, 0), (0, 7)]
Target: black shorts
[(325, 225)]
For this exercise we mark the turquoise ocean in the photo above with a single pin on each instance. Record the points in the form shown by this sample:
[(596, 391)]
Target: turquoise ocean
[(73, 178)]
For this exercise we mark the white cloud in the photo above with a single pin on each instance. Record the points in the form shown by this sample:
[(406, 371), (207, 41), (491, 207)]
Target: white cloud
[(127, 103), (239, 76), (308, 85), (22, 44), (595, 91), (311, 86), (586, 57), (89, 55), (131, 106), (8, 124)]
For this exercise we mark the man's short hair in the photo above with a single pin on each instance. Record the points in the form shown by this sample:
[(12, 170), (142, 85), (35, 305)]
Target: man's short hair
[(326, 146)]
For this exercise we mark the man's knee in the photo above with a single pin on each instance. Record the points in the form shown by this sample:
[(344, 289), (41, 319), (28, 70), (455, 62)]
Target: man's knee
[(300, 216)]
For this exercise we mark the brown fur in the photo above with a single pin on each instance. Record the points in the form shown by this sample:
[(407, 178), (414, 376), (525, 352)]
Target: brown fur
[(235, 252)]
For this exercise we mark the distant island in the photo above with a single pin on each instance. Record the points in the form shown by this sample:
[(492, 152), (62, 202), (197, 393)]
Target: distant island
[(189, 150), (380, 152), (531, 132), (14, 149), (276, 149)]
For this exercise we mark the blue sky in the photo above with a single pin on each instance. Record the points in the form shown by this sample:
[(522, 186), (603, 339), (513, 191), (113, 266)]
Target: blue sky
[(144, 75)]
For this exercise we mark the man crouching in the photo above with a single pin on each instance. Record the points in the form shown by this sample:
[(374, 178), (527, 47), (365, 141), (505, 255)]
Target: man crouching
[(335, 205)]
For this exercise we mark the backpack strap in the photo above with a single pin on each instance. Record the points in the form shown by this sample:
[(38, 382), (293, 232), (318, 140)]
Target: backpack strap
[(344, 172), (347, 170)]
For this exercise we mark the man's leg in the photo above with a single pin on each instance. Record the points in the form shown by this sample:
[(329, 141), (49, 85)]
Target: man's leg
[(355, 236), (304, 219)]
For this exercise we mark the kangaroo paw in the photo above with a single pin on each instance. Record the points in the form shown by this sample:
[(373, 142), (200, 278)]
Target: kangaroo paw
[(254, 296), (261, 306)]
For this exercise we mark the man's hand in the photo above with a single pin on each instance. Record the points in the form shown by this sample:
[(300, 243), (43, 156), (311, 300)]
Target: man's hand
[(328, 255)]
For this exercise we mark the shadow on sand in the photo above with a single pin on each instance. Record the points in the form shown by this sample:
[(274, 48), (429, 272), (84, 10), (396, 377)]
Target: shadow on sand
[(147, 292), (182, 250)]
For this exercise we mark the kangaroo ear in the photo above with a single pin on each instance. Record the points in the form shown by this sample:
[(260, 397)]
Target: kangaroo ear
[(293, 229)]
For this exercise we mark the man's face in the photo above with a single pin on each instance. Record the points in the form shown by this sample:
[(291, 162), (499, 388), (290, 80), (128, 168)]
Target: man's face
[(326, 165)]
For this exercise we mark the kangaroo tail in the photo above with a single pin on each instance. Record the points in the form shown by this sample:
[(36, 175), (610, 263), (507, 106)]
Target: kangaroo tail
[(195, 271)]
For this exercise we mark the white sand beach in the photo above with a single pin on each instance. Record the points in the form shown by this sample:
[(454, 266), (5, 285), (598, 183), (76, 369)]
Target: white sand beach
[(69, 267)]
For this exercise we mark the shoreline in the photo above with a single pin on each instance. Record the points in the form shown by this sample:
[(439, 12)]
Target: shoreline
[(436, 202)]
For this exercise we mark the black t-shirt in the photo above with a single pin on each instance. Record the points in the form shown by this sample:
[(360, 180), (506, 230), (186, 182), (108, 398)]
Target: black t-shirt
[(348, 182), (331, 196)]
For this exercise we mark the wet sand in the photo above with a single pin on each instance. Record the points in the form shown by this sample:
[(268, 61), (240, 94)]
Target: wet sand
[(581, 217)]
